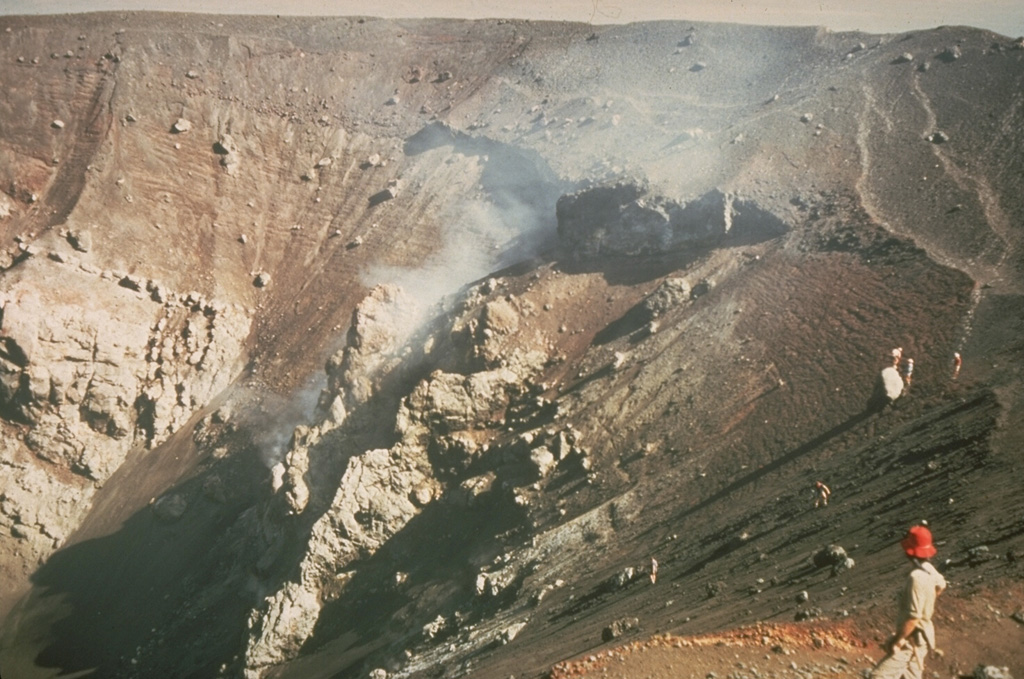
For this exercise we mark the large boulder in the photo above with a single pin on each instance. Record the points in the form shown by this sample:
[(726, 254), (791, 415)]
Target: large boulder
[(626, 219), (891, 383)]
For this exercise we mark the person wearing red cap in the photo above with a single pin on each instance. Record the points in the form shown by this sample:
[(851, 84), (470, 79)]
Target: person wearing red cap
[(915, 633)]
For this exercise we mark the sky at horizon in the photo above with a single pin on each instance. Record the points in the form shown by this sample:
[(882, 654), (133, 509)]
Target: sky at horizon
[(871, 16)]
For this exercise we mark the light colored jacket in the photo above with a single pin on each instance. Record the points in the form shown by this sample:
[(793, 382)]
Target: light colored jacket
[(917, 601)]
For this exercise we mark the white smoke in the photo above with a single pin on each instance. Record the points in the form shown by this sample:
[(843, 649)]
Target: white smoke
[(272, 419), (478, 238)]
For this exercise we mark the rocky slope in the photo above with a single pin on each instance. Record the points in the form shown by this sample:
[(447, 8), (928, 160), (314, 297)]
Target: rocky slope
[(350, 347)]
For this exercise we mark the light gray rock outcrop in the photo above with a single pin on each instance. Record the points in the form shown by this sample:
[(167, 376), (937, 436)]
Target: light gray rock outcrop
[(280, 629), (96, 368), (380, 325)]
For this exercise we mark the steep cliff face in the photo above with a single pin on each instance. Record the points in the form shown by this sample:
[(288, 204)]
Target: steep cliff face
[(332, 347)]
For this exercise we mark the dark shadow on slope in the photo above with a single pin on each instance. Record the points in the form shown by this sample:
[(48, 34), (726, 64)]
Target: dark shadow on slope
[(786, 459), (913, 454), (161, 596), (629, 271), (71, 176), (439, 553)]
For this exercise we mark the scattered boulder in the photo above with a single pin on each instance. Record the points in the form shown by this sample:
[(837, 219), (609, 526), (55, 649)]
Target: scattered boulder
[(938, 137), (493, 584), (702, 288), (422, 494), (807, 614), (389, 192), (991, 672), (450, 402), (170, 507), (181, 126), (623, 578), (296, 464), (542, 461), (393, 188), (620, 627), (261, 280), (671, 293), (57, 124), (378, 673), (435, 628), (228, 150), (951, 54), (904, 58), (979, 555), (834, 557), (511, 632), (80, 239)]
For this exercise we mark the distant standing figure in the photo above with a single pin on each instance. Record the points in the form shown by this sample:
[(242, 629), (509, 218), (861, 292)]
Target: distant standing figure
[(821, 494), (908, 371), (897, 356), (956, 364), (915, 633), (654, 570)]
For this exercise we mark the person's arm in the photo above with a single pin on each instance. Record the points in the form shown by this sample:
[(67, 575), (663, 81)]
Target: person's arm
[(903, 634)]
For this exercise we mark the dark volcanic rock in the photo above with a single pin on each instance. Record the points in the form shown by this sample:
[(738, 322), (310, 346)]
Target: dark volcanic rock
[(626, 219), (619, 628)]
